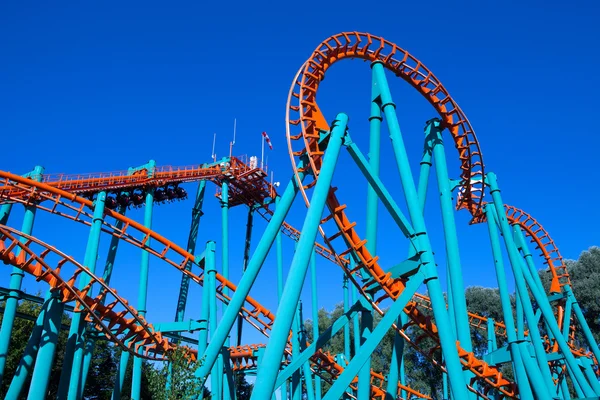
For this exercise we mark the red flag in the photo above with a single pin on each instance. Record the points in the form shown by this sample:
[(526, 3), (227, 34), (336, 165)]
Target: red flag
[(267, 140)]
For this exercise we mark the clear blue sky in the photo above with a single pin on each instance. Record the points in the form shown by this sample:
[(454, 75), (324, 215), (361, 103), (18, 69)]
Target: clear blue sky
[(89, 88)]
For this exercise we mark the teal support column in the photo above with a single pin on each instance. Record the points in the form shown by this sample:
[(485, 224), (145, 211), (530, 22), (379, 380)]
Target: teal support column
[(452, 252), (239, 296), (344, 379), (72, 362), (120, 378), (315, 315), (247, 245), (296, 393), (507, 314), (588, 370), (106, 276), (267, 371), (564, 389), (366, 321), (279, 251), (211, 286), (45, 357), (26, 362), (523, 280), (520, 317), (445, 395), (491, 336), (228, 392), (567, 316), (347, 327), (136, 381), (447, 338), (306, 372), (16, 278), (582, 322), (191, 248)]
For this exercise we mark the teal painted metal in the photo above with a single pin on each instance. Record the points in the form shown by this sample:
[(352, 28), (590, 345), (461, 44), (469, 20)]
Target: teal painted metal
[(296, 393), (136, 381), (451, 238), (206, 303), (343, 380), (279, 250), (421, 240), (523, 280), (16, 279), (315, 314), (346, 327), (245, 284), (491, 336), (228, 391), (522, 380), (26, 362), (267, 371), (72, 362), (182, 326), (191, 248), (45, 356), (306, 372), (211, 287), (120, 377), (247, 246), (397, 372)]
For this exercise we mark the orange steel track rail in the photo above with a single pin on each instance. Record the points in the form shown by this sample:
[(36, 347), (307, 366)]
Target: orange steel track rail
[(73, 207)]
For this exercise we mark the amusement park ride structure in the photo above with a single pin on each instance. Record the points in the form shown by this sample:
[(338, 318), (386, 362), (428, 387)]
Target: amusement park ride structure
[(540, 343)]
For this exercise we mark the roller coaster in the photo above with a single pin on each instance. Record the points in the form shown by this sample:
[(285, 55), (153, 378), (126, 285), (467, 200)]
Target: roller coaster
[(537, 334)]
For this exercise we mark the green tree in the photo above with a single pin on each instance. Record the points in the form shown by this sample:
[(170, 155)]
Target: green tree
[(182, 384), (243, 389)]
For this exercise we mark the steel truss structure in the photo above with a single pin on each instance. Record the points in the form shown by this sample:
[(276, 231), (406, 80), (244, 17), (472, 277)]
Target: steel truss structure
[(541, 345)]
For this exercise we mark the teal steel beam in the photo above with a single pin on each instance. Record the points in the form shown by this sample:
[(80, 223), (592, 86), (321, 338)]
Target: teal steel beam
[(249, 277), (16, 279), (507, 314), (491, 336), (45, 356), (434, 129), (247, 248), (72, 361), (191, 248), (421, 239), (120, 377), (344, 379), (315, 314), (267, 371), (523, 280), (106, 276), (136, 381), (181, 326), (347, 326), (211, 286), (366, 320), (279, 254), (296, 393), (228, 391)]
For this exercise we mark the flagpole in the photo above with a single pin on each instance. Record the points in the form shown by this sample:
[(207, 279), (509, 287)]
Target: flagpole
[(262, 153)]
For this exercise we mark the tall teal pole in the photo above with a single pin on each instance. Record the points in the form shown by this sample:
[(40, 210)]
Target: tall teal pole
[(279, 251), (211, 286), (191, 248), (366, 321), (136, 380), (45, 357), (450, 236), (296, 377), (120, 377), (267, 371), (228, 392), (72, 362), (447, 338), (347, 326), (513, 340), (16, 279), (522, 281), (315, 315), (593, 345), (239, 296)]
